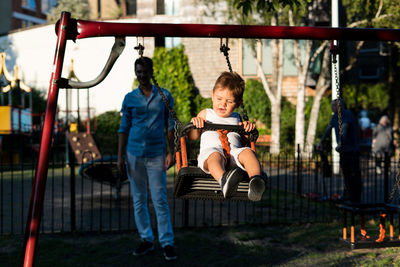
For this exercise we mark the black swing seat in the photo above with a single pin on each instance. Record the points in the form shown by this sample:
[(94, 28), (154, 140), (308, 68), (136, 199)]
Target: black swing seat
[(194, 183)]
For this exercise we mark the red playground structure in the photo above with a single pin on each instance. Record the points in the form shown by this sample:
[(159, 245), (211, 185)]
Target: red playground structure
[(71, 29)]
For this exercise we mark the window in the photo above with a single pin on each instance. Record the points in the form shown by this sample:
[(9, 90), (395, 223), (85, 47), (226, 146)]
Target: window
[(130, 7), (47, 5), (168, 7), (369, 47), (167, 42), (172, 42), (249, 67), (29, 4), (369, 72)]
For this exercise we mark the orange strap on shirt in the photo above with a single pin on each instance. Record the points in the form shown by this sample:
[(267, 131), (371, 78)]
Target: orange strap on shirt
[(225, 143)]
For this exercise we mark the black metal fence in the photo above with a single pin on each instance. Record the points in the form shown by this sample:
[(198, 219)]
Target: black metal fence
[(299, 190)]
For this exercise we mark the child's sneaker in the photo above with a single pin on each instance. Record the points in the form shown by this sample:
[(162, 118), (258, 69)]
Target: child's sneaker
[(230, 181), (256, 188)]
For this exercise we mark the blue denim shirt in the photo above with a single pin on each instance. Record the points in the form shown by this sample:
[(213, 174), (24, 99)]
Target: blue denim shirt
[(350, 138), (144, 120)]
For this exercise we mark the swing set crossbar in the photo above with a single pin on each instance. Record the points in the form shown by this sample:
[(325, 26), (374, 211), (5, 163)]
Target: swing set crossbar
[(72, 29), (86, 29)]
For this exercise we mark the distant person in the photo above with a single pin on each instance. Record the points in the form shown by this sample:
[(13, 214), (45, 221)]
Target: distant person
[(365, 130), (364, 122), (347, 146), (383, 142), (145, 127)]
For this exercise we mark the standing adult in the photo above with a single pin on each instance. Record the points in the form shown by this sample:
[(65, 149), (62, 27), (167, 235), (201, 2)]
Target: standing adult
[(383, 142), (142, 146), (347, 141)]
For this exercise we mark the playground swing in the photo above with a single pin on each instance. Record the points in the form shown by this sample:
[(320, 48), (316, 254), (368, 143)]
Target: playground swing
[(383, 209), (192, 182)]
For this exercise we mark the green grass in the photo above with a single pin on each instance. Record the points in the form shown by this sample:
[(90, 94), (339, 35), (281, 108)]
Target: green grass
[(277, 245)]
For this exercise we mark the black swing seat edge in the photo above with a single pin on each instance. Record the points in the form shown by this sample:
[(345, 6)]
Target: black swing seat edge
[(194, 183), (253, 135)]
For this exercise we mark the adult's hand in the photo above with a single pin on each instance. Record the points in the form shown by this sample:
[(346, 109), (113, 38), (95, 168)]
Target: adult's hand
[(169, 161), (121, 165)]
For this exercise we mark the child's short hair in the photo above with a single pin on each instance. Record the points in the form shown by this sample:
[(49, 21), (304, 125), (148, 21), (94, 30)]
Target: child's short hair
[(233, 82)]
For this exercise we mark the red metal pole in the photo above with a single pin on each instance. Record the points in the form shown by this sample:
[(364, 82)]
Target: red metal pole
[(39, 184), (95, 29)]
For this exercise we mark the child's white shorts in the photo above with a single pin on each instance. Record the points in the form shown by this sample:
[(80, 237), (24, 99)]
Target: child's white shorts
[(205, 153)]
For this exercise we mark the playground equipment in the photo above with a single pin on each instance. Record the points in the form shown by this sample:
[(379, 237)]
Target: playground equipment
[(71, 29), (14, 118)]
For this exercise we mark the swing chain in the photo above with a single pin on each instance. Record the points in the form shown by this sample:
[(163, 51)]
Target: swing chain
[(140, 49), (334, 53), (225, 49), (395, 186), (171, 111)]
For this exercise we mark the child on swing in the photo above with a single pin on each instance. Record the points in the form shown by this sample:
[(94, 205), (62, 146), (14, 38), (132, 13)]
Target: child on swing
[(226, 96)]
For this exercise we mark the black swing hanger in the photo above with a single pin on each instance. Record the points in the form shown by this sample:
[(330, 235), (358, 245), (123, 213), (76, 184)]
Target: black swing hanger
[(139, 46)]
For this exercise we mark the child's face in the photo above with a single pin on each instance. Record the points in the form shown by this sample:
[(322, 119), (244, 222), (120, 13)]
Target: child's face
[(224, 102)]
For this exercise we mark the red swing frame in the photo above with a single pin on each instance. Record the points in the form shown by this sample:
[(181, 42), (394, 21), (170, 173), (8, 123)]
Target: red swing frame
[(71, 29)]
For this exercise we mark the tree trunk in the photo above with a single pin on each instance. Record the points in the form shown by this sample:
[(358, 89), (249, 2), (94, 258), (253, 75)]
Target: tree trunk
[(274, 89), (320, 89), (275, 127), (300, 108)]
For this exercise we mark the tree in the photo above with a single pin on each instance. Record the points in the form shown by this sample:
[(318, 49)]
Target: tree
[(256, 102), (261, 12), (171, 70), (77, 8), (378, 14), (106, 132)]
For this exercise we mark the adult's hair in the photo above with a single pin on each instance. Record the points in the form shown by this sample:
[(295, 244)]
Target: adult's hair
[(384, 120), (144, 61), (233, 82)]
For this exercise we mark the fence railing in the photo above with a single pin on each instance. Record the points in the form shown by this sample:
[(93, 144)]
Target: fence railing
[(298, 190)]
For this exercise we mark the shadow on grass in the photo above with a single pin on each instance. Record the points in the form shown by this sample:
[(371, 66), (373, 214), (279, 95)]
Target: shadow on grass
[(278, 245)]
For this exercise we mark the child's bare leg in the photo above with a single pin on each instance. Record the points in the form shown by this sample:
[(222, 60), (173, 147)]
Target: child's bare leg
[(215, 165), (229, 180), (250, 162)]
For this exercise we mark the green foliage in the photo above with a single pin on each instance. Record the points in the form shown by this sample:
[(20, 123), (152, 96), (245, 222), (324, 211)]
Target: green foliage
[(247, 6), (171, 70), (106, 135), (256, 102), (108, 122), (366, 96), (79, 9), (389, 12), (288, 120), (324, 115), (258, 107)]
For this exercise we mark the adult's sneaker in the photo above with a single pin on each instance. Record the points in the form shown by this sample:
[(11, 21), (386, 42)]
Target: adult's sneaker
[(256, 188), (230, 181), (144, 248), (169, 253)]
